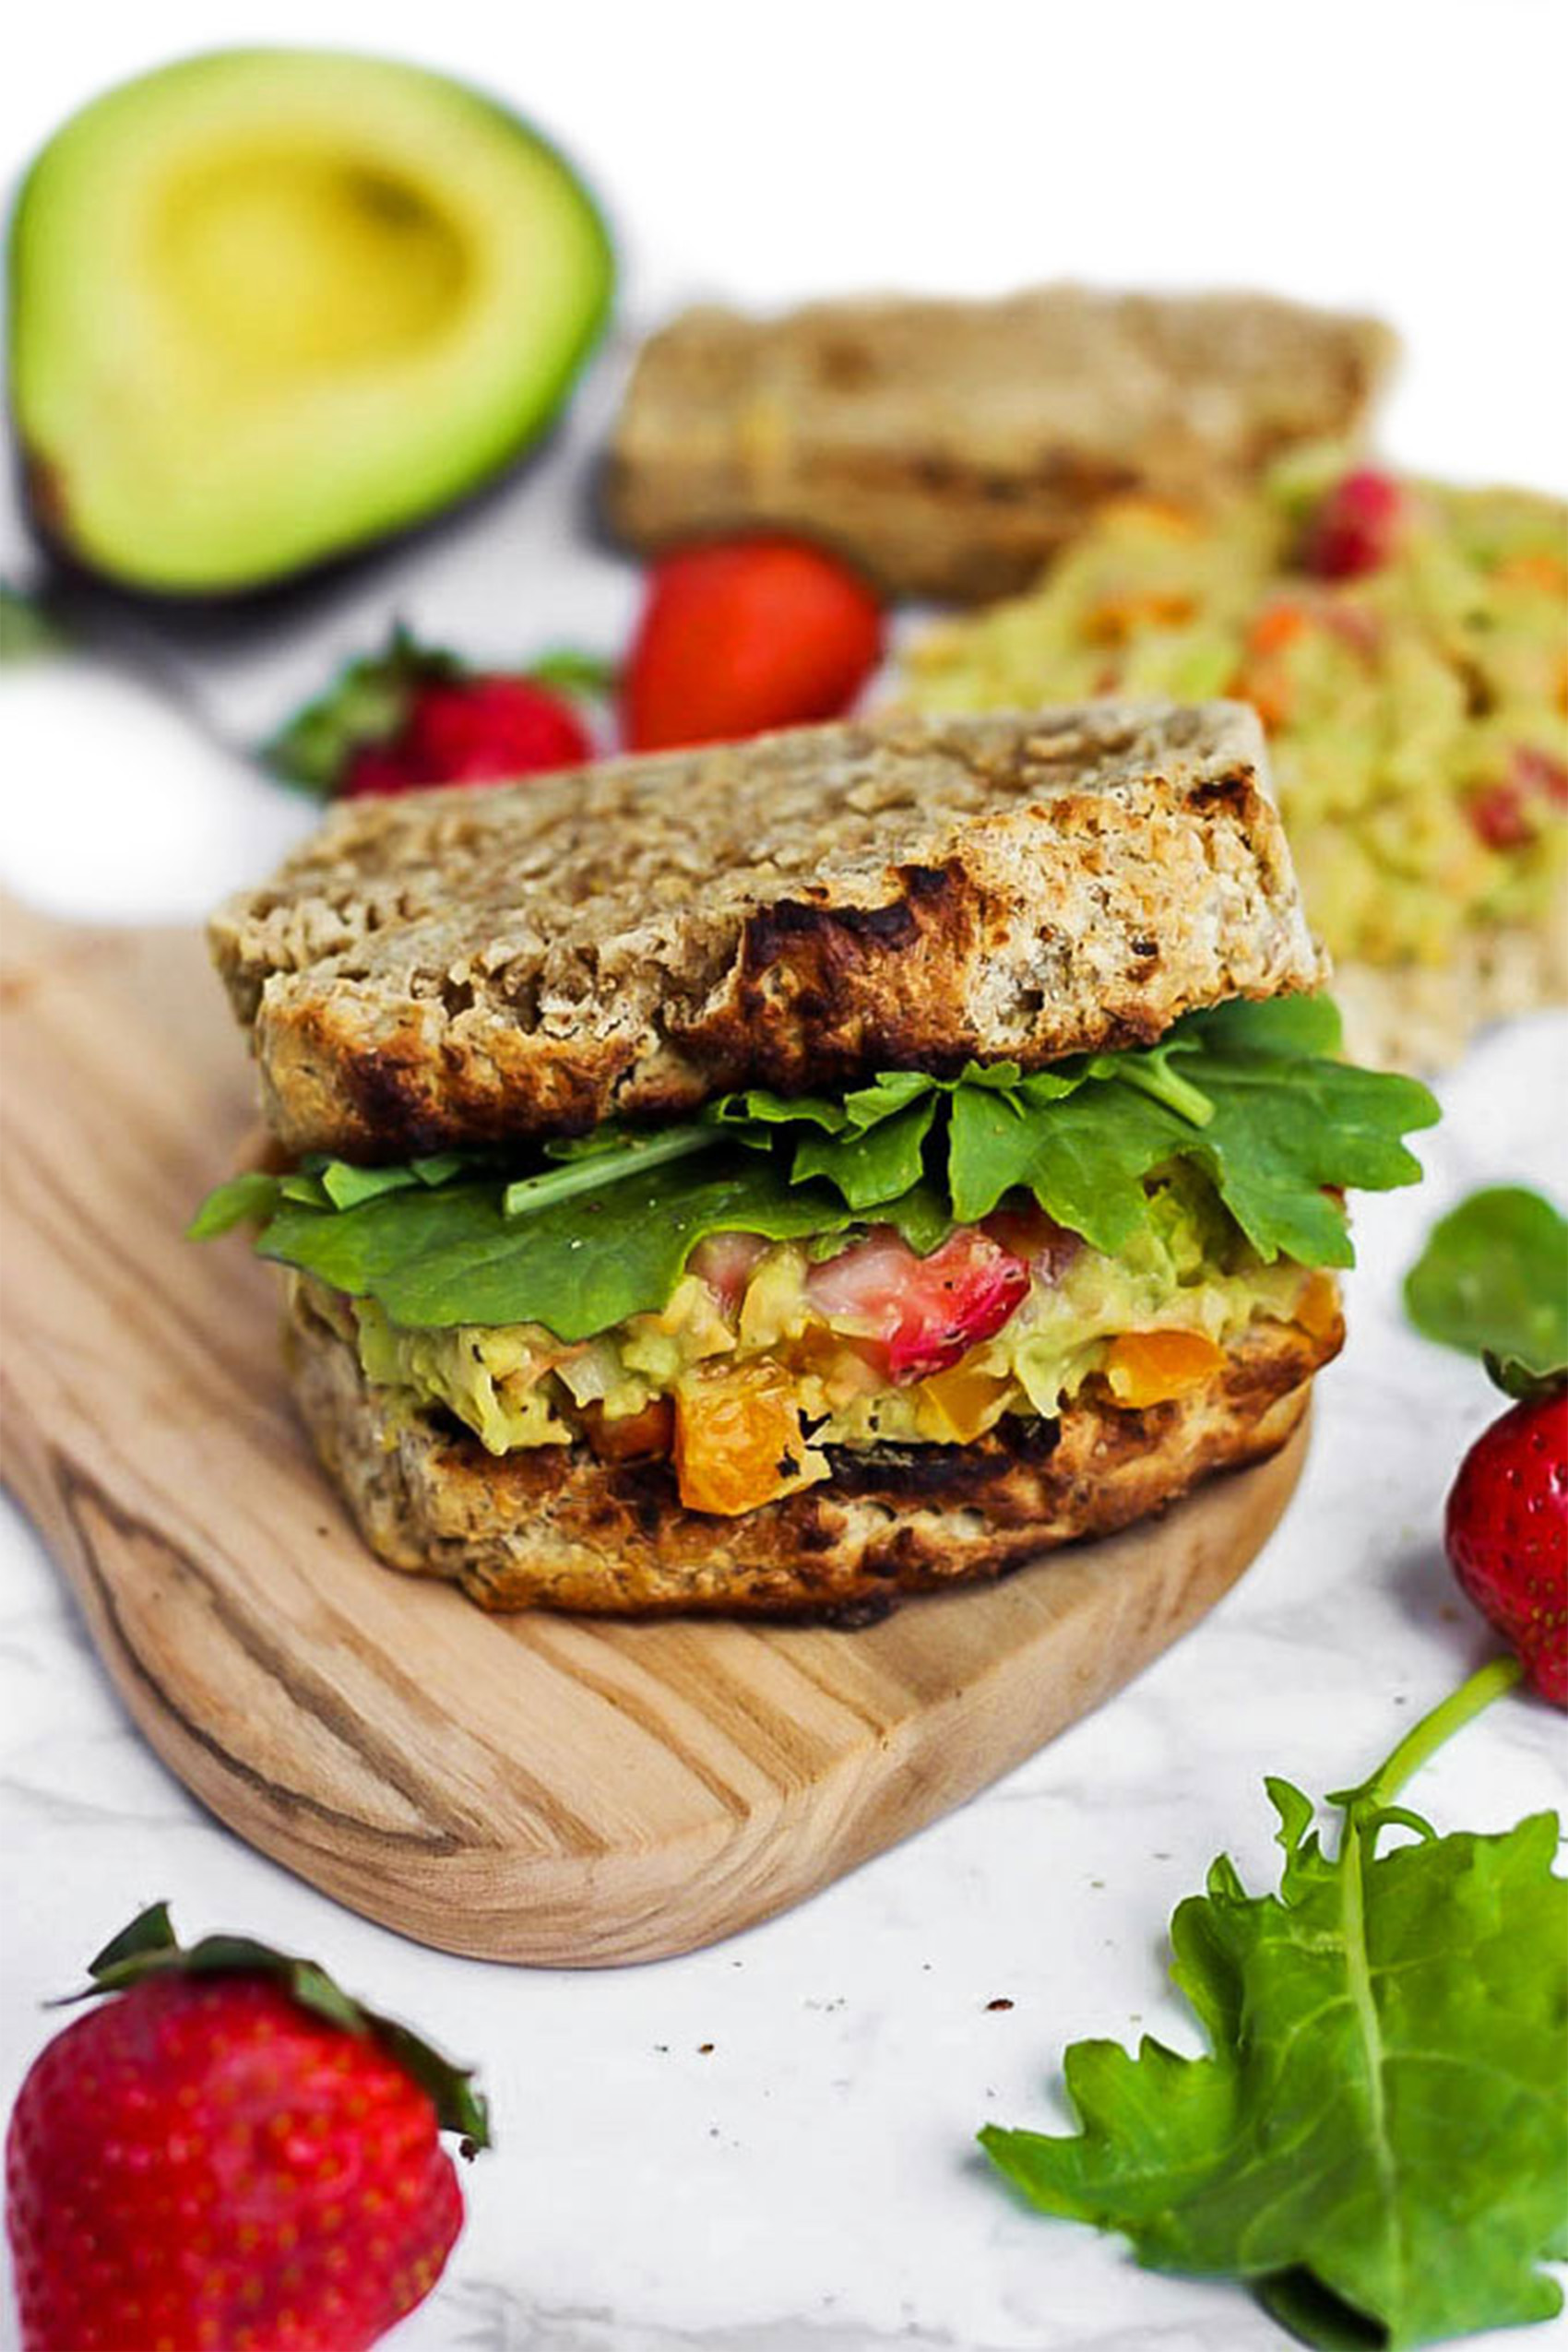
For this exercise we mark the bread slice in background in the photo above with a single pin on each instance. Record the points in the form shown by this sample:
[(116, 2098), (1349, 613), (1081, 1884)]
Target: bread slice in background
[(552, 1527), (803, 909), (951, 447)]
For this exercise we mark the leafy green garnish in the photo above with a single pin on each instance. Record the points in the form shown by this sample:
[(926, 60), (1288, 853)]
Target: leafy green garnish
[(448, 1254), (1377, 2141), (1493, 1280), (603, 1229), (1250, 1093)]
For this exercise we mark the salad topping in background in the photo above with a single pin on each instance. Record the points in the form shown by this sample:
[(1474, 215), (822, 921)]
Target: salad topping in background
[(1404, 644)]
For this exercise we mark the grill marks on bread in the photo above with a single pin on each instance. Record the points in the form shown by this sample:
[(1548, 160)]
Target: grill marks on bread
[(552, 1527), (633, 937)]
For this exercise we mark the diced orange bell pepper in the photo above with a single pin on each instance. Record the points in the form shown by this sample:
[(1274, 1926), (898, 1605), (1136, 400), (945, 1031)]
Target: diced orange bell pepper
[(964, 1402), (1113, 619), (1317, 1309), (1274, 627), (738, 1441), (1151, 1367), (1539, 569)]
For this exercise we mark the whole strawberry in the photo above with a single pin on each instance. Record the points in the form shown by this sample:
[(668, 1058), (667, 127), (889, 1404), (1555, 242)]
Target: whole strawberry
[(1507, 1534), (229, 2153), (741, 635), (415, 717)]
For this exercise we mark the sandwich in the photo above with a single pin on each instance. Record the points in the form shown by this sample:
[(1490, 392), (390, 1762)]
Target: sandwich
[(950, 447), (1403, 643), (775, 1178)]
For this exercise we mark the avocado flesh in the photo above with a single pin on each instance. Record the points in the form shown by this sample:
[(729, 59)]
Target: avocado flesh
[(271, 306)]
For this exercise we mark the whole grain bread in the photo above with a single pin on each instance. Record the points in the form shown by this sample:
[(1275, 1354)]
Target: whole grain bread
[(471, 965), (552, 1527), (952, 446)]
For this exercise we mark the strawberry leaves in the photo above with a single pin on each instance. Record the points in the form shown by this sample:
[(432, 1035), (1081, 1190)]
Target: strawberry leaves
[(150, 1947), (1376, 2140)]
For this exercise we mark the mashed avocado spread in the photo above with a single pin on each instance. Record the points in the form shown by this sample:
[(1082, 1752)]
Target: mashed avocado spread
[(1417, 703), (1188, 1270)]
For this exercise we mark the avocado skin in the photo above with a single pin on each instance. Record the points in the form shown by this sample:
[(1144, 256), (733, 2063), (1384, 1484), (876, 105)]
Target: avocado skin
[(44, 467)]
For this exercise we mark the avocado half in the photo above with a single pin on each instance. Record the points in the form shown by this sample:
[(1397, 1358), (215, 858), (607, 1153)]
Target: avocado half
[(268, 306)]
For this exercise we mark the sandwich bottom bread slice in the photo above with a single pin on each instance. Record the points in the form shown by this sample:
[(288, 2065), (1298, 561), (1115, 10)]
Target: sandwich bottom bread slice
[(798, 1352)]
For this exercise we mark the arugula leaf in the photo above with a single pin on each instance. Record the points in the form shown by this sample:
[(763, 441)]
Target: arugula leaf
[(1493, 1280), (242, 1200), (1248, 1092), (1378, 2138), (875, 1165), (1243, 1093)]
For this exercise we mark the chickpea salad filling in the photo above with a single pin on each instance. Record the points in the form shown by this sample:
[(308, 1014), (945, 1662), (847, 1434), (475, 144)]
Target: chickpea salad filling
[(1405, 643), (906, 1262)]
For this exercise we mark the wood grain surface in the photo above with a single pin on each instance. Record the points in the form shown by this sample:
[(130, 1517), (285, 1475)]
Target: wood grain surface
[(526, 1788)]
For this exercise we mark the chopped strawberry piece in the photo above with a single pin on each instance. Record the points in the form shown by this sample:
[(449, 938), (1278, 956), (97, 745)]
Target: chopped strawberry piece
[(1357, 527), (471, 731), (741, 635), (1540, 776), (928, 1313), (1500, 816)]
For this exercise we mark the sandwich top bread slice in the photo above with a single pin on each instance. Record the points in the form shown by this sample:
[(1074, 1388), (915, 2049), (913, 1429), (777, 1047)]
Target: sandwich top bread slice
[(952, 446), (781, 1176), (802, 909)]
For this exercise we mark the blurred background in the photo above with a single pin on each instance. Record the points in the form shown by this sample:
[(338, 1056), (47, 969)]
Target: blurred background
[(1401, 157)]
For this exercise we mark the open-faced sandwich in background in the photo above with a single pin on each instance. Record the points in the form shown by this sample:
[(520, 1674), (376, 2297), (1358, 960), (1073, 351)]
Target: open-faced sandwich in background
[(950, 447), (1406, 645), (772, 1177)]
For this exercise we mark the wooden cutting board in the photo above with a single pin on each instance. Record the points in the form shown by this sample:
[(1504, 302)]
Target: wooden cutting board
[(527, 1789)]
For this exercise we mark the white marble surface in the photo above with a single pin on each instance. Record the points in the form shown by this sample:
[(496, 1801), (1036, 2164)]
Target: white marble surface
[(811, 2185)]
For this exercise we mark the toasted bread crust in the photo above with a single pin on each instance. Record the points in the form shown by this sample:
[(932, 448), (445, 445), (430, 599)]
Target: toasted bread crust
[(951, 447), (552, 1527), (468, 966)]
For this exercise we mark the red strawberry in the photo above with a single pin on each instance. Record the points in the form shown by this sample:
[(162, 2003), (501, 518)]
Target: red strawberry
[(928, 1311), (739, 636), (412, 717), (475, 731), (1507, 1534), (1357, 527), (229, 2153)]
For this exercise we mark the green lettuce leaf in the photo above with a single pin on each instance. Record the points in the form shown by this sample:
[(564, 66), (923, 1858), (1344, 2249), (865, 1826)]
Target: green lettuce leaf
[(434, 1256), (1377, 2140), (1493, 1280)]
